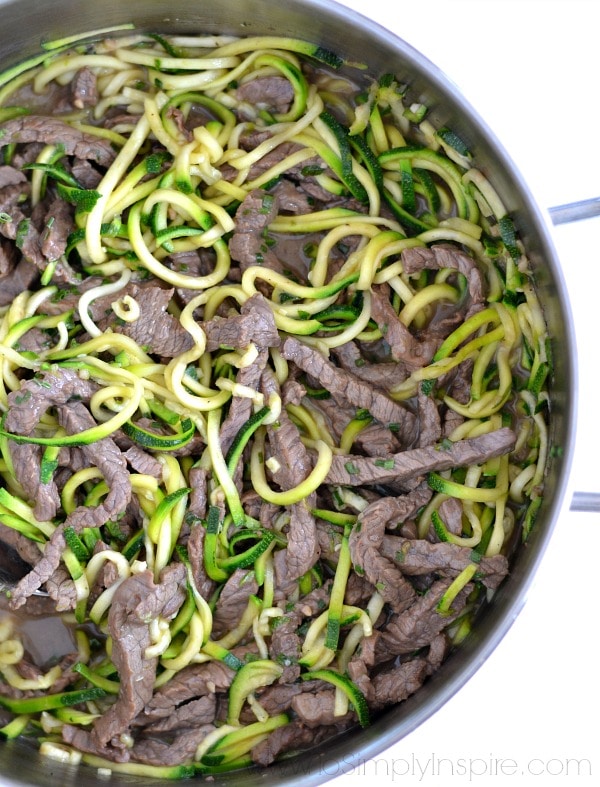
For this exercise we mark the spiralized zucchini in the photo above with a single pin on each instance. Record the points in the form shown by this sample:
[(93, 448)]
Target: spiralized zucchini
[(169, 116)]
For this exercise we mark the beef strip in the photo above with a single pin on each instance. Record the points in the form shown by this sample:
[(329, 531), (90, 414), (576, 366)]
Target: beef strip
[(137, 601), (233, 600), (84, 89), (295, 737), (192, 682), (421, 623), (302, 550), (263, 333), (430, 426), (273, 93), (444, 255), (58, 226), (157, 330), (179, 751), (318, 709), (195, 547), (285, 643), (35, 396), (406, 466), (198, 501), (396, 683), (143, 462), (365, 543), (346, 388), (376, 439), (416, 557), (404, 347), (21, 277), (255, 324), (51, 130), (8, 258), (247, 245), (11, 176), (193, 713), (26, 459), (106, 456)]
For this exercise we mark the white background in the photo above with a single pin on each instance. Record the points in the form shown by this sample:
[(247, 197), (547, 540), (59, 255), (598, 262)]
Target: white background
[(531, 69)]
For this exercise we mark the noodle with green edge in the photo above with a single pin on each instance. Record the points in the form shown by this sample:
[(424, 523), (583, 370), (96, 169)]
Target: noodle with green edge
[(273, 395)]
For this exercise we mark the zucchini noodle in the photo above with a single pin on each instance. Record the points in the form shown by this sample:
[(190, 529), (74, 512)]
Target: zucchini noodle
[(273, 396)]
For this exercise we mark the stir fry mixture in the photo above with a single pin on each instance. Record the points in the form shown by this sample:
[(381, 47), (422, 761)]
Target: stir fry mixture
[(273, 398)]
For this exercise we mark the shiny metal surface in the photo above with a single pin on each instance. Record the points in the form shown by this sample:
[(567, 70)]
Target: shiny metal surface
[(26, 23)]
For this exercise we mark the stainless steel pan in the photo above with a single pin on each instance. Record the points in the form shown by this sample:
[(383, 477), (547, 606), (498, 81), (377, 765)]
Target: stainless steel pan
[(25, 23)]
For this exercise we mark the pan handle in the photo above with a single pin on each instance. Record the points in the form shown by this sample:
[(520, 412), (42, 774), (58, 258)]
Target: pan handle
[(585, 501), (575, 211), (565, 214)]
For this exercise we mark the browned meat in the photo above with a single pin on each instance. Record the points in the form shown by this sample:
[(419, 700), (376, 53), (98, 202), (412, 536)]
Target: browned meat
[(346, 388), (421, 623), (233, 601), (84, 89), (273, 93), (51, 130), (255, 323), (155, 328), (247, 244), (415, 557), (192, 682), (137, 602), (404, 467), (444, 255)]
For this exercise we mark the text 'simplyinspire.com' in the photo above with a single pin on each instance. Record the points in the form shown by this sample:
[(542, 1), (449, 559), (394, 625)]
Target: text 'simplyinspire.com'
[(423, 769)]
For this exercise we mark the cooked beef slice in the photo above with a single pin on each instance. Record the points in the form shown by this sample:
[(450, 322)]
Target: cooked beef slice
[(395, 684), (318, 709), (233, 600), (404, 467), (50, 131), (11, 176), (365, 542), (247, 245), (178, 751), (37, 395), (286, 447), (84, 89), (20, 278), (404, 346), (192, 714), (255, 324), (195, 548), (285, 644), (273, 93), (192, 682), (143, 462), (444, 255), (348, 389), (415, 557), (137, 601), (296, 736), (421, 623), (107, 457), (430, 426), (157, 330), (58, 225), (26, 459)]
